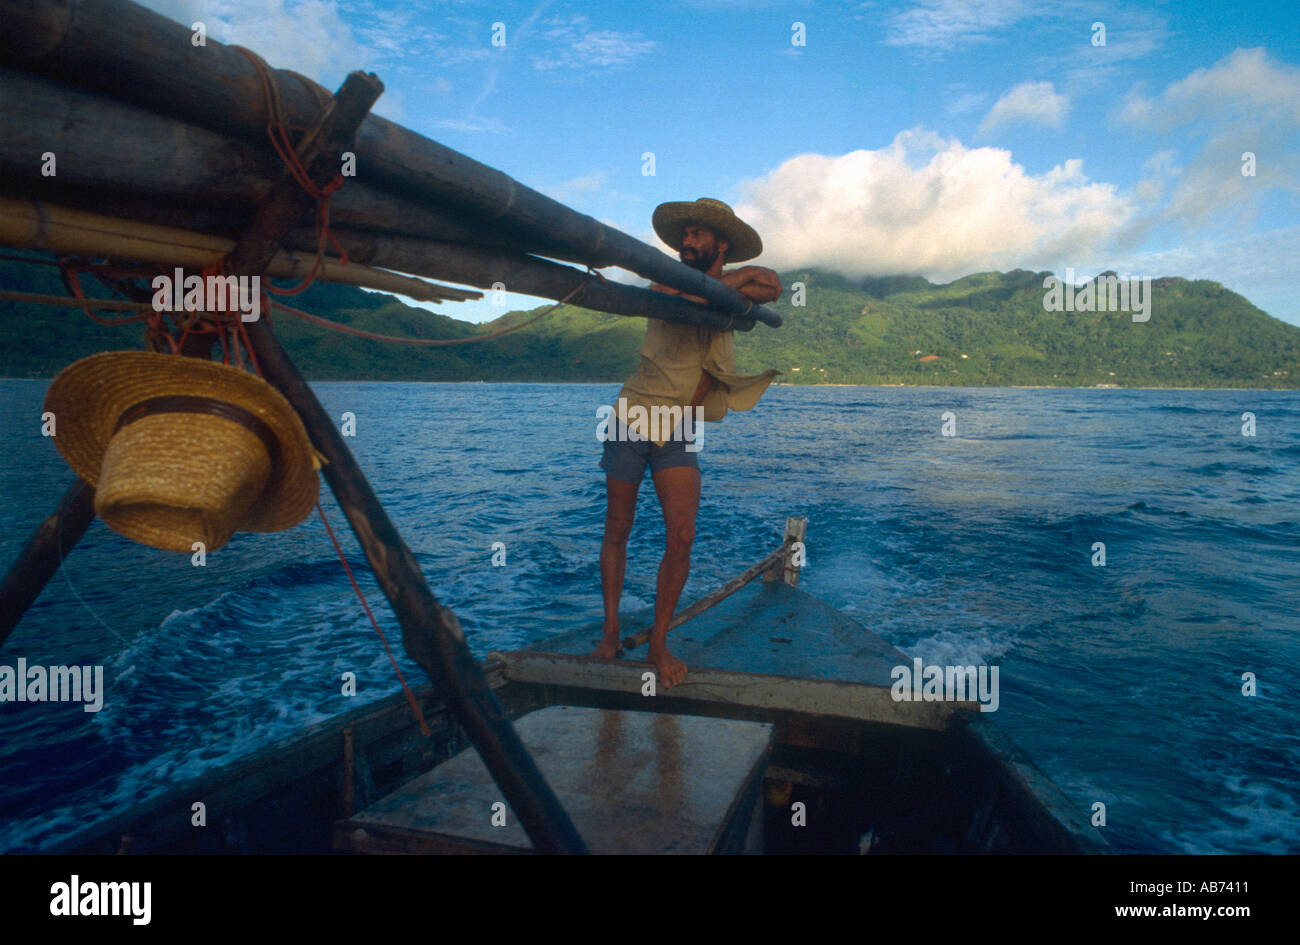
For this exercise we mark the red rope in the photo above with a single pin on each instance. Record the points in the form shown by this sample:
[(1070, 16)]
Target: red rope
[(241, 335), (71, 270), (410, 696), (279, 137)]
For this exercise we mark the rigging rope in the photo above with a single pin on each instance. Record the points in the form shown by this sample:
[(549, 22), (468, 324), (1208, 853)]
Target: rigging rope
[(279, 136), (410, 696)]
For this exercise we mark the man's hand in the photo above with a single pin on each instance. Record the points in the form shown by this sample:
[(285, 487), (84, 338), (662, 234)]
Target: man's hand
[(755, 283)]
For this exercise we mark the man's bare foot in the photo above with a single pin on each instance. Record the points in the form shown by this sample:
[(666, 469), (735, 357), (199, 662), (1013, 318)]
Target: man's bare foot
[(671, 670), (609, 646)]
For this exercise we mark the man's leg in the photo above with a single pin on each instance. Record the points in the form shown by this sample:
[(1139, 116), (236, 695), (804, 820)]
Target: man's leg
[(620, 509), (679, 495)]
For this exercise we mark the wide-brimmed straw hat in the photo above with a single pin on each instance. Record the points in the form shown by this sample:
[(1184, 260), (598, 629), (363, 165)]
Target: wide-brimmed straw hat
[(181, 450), (669, 218)]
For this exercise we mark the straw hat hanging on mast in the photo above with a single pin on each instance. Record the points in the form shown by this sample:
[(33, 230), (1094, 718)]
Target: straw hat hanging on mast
[(181, 450)]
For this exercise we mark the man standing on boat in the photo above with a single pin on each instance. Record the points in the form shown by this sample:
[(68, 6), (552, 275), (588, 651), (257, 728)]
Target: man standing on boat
[(682, 367)]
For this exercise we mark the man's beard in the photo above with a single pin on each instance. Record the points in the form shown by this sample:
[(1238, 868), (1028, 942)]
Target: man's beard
[(699, 259)]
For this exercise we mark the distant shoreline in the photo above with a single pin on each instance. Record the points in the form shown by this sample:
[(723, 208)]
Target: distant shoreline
[(906, 386)]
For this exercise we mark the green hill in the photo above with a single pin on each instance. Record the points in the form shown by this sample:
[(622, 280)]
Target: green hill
[(984, 329)]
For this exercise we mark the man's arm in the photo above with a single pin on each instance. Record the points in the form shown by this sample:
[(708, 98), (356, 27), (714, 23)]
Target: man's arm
[(756, 283)]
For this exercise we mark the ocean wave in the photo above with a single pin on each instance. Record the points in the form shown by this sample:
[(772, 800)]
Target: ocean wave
[(1240, 469)]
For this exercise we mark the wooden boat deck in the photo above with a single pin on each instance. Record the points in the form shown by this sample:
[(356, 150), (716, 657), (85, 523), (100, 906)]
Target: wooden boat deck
[(632, 782), (766, 627), (769, 646), (774, 652)]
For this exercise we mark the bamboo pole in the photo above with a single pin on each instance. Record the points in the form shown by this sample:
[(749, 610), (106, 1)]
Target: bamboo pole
[(43, 553), (152, 62), (30, 224), (174, 164), (528, 275), (714, 597), (169, 159)]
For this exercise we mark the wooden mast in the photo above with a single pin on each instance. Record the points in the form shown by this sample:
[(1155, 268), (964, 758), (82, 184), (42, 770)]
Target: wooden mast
[(40, 557), (430, 632)]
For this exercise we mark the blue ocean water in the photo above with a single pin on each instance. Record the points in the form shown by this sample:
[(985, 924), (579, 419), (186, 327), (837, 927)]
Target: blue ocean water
[(1123, 682)]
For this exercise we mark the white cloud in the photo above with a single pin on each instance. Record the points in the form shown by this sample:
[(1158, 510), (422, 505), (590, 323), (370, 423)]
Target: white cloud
[(572, 44), (1036, 102), (1259, 266), (1264, 259), (960, 100), (945, 24), (473, 123), (928, 206), (1246, 84), (586, 184), (1158, 170), (307, 36), (1246, 102)]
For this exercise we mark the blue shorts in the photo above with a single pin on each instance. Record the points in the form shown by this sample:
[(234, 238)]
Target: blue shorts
[(626, 459)]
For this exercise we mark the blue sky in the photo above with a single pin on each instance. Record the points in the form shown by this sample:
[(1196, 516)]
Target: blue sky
[(933, 137)]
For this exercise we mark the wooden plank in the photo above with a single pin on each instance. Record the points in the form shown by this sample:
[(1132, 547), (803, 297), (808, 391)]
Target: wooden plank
[(330, 132), (634, 782), (796, 527), (858, 701), (277, 770), (773, 629), (1063, 822)]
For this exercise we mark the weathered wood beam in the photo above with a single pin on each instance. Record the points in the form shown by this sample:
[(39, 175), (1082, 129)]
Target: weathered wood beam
[(796, 528), (847, 700), (329, 134), (40, 557)]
